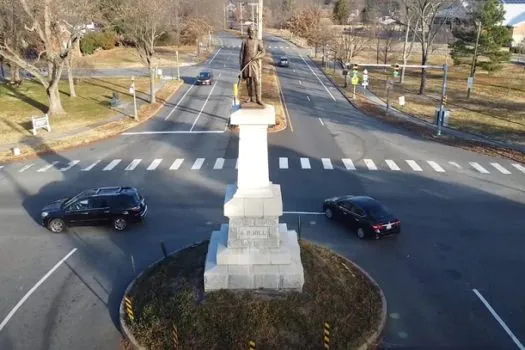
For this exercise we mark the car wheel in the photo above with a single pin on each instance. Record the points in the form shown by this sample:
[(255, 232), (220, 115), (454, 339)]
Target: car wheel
[(361, 233), (120, 224), (328, 212), (56, 225)]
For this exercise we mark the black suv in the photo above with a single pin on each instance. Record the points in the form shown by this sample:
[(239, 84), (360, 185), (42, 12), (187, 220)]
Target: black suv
[(116, 205)]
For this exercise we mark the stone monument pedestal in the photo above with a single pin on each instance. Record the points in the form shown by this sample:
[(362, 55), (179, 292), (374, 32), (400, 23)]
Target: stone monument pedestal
[(254, 250)]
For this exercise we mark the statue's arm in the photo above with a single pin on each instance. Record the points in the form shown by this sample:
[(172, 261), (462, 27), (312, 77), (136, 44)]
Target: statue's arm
[(261, 51)]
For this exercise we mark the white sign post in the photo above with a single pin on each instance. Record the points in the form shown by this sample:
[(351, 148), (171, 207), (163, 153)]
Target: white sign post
[(401, 100), (132, 92), (470, 82), (40, 123), (365, 78)]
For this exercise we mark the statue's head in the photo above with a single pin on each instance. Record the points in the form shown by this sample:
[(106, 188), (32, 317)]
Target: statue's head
[(251, 31)]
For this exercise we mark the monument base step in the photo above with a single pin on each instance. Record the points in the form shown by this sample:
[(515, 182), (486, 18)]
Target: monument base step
[(255, 275)]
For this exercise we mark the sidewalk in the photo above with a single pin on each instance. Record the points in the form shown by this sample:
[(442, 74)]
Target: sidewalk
[(469, 136)]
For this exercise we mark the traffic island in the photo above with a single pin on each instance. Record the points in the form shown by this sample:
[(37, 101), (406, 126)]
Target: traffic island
[(339, 305)]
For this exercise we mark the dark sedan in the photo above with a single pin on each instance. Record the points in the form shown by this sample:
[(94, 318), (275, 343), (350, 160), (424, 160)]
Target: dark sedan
[(365, 215), (205, 78)]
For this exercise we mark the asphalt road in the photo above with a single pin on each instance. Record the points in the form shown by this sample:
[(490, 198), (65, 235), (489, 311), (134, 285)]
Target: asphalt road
[(462, 226)]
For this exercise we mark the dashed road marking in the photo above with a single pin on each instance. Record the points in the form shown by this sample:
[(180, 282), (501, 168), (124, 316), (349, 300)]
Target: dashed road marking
[(435, 166), (414, 165), (24, 168), (198, 164), (112, 165), (133, 164), (349, 165), (305, 163), (219, 163), (176, 164), (455, 165), (519, 167), (479, 168), (283, 163), (500, 168), (88, 168), (392, 165), (70, 165), (327, 163), (154, 165), (47, 167), (370, 164)]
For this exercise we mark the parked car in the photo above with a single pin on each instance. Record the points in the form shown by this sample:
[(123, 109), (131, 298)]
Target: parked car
[(283, 61), (365, 215), (118, 206), (205, 78)]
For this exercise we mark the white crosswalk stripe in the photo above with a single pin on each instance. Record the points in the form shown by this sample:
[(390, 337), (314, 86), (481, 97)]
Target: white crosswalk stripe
[(112, 165), (70, 165), (479, 168), (327, 163), (90, 167), (500, 168), (176, 164), (305, 163), (133, 164), (154, 165), (198, 164), (455, 165), (283, 163), (392, 165), (349, 165), (219, 163), (370, 164), (435, 166), (25, 167), (47, 167), (412, 163), (519, 167)]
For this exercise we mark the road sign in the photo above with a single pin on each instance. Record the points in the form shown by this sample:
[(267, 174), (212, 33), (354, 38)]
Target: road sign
[(40, 123), (470, 82), (355, 80), (365, 84), (401, 100)]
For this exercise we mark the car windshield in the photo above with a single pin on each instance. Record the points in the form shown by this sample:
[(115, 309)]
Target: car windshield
[(204, 75), (71, 200), (377, 211)]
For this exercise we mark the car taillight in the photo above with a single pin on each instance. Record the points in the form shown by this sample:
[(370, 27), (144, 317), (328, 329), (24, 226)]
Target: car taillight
[(376, 228)]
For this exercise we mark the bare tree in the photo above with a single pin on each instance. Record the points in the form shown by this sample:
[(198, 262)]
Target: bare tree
[(53, 27), (407, 18), (145, 21), (388, 36), (430, 16), (352, 44)]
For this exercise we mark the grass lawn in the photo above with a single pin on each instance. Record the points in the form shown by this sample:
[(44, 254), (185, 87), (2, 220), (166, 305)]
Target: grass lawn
[(89, 107), (127, 57), (270, 92), (172, 293)]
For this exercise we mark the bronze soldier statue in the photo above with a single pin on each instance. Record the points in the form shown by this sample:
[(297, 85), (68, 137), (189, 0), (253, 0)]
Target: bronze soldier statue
[(252, 51)]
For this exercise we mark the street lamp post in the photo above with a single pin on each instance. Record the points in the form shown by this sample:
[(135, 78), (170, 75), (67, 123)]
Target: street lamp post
[(474, 58)]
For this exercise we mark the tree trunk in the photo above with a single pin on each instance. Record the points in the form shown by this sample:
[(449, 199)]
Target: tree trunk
[(2, 67), (423, 72), (377, 50), (53, 96), (72, 91), (405, 56), (15, 73), (152, 98)]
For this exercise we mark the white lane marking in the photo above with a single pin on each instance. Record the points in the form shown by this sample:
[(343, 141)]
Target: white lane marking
[(70, 165), (414, 165), (88, 168), (219, 163), (176, 164), (304, 212), (370, 164), (26, 167), (500, 168), (327, 163), (392, 165), (456, 165), (305, 163), (500, 321), (112, 165), (332, 96), (174, 132), (32, 290), (321, 121), (47, 167), (349, 165), (219, 50), (519, 167), (436, 166), (283, 163), (198, 164), (133, 164), (300, 82), (308, 97), (204, 105), (479, 168), (174, 108), (154, 165)]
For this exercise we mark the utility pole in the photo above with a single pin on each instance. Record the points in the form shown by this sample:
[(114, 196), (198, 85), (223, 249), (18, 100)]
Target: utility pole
[(225, 18), (241, 10), (475, 57), (441, 112), (260, 21)]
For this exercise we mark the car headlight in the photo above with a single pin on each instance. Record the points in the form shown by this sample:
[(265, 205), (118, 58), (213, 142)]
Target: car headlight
[(44, 214)]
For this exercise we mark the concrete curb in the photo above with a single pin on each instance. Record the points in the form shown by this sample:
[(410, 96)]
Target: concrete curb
[(469, 136), (122, 314), (373, 339)]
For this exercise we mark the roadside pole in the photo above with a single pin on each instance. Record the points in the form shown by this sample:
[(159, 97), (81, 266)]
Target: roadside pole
[(441, 112), (132, 91), (178, 65)]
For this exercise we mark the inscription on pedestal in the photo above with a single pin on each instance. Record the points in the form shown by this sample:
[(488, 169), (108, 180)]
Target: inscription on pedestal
[(254, 232)]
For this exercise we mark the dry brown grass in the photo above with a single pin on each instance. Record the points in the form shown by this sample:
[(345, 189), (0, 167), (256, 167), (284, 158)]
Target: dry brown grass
[(127, 57), (285, 34), (172, 293), (271, 93), (104, 131)]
